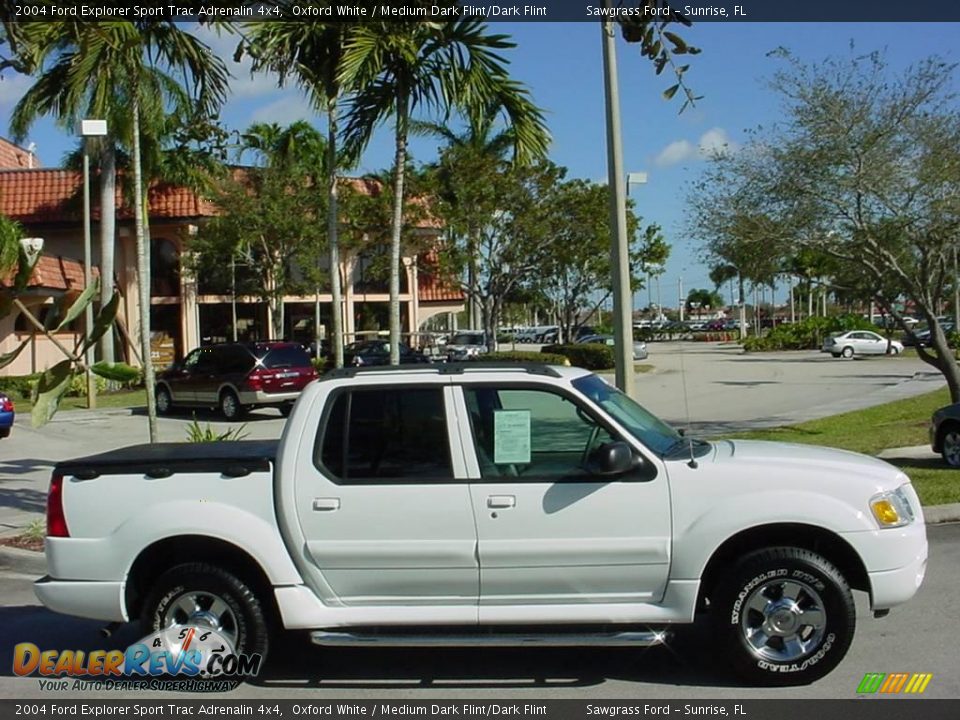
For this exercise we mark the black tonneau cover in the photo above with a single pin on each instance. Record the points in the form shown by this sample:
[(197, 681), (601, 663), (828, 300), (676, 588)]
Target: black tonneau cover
[(164, 459)]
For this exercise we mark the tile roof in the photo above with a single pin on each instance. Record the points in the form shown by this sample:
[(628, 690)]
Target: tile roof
[(14, 157), (36, 196), (431, 287), (56, 273)]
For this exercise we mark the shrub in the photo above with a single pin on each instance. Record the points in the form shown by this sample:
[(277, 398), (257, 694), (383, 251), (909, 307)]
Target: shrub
[(805, 335), (78, 385), (522, 356), (18, 386), (197, 434), (590, 356)]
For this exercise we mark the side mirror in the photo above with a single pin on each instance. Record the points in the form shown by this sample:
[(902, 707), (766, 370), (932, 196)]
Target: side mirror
[(611, 459)]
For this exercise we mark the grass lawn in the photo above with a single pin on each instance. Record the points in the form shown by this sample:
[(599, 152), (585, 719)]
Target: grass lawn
[(120, 399), (897, 424)]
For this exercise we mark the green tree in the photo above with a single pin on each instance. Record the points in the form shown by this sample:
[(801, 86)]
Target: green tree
[(137, 66), (311, 53), (865, 168), (394, 69), (267, 216), (704, 299), (575, 276)]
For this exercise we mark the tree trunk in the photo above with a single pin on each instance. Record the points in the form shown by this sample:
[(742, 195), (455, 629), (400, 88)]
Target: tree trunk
[(947, 360), (399, 163), (108, 188), (336, 312), (488, 312), (743, 307), (143, 274)]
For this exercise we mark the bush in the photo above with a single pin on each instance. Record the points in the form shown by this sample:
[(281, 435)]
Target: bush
[(19, 386), (197, 434), (78, 385), (805, 335), (590, 356), (522, 356)]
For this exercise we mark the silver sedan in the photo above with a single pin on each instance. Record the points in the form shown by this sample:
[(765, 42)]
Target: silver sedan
[(639, 347), (860, 342)]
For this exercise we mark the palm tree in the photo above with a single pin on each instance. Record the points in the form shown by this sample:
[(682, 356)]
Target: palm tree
[(483, 138), (115, 68), (312, 53), (394, 69)]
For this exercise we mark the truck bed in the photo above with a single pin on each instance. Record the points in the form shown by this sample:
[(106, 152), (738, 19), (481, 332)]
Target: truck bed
[(164, 459)]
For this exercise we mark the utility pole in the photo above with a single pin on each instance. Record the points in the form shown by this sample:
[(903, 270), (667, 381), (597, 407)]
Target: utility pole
[(619, 255), (956, 293), (680, 296)]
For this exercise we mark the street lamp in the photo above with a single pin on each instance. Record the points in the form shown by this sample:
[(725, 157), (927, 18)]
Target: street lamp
[(88, 129)]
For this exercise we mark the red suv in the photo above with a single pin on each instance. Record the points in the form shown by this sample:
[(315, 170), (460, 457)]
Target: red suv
[(236, 377)]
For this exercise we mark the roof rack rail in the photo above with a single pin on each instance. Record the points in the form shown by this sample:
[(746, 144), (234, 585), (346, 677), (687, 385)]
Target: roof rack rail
[(449, 368)]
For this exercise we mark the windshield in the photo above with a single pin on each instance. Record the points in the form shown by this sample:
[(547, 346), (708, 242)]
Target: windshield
[(646, 427)]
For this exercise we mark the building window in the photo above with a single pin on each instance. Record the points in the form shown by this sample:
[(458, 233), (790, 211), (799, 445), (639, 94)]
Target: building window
[(49, 316), (164, 268)]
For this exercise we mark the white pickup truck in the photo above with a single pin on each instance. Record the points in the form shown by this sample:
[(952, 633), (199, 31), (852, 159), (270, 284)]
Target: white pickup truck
[(488, 504)]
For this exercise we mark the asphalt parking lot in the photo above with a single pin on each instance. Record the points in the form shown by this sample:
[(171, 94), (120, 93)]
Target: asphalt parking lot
[(723, 388)]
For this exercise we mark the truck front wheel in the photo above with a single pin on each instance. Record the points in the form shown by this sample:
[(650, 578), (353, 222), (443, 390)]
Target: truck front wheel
[(784, 616), (206, 596)]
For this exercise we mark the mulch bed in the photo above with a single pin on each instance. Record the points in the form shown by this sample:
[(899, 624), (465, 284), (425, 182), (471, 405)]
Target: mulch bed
[(24, 543)]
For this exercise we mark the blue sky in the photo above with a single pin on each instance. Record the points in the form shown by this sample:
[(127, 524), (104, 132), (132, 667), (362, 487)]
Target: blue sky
[(561, 63)]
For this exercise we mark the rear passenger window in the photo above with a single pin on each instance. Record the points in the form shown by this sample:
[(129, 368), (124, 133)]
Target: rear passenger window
[(286, 357), (390, 435)]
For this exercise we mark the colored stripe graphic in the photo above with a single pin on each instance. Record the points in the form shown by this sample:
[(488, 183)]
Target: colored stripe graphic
[(893, 683)]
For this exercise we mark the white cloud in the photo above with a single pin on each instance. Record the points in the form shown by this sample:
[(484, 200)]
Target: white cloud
[(679, 151), (714, 140), (287, 109)]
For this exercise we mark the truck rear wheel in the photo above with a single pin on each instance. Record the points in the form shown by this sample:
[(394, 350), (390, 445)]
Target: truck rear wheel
[(207, 596), (784, 616)]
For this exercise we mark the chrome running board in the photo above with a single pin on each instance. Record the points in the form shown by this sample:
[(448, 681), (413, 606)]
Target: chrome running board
[(607, 639)]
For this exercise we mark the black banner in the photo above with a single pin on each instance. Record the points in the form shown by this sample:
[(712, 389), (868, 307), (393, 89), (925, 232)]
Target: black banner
[(536, 11), (398, 709)]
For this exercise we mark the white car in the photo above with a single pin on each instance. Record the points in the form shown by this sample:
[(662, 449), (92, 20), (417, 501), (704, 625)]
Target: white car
[(488, 504), (860, 342)]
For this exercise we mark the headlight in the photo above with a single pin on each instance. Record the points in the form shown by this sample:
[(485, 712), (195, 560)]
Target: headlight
[(892, 509)]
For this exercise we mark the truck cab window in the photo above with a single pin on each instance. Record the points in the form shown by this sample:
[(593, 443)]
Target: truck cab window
[(377, 434)]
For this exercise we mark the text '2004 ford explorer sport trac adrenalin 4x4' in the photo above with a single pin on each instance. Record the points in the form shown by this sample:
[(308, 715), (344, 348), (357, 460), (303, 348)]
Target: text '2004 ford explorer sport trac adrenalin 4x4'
[(479, 503)]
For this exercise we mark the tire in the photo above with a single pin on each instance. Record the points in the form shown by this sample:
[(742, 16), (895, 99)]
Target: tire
[(241, 620), (4, 433), (230, 406), (285, 410), (778, 590), (895, 350), (164, 401), (847, 352), (950, 444)]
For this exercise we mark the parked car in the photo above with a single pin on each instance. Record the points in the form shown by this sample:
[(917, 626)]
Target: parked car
[(922, 337), (377, 352), (945, 434), (716, 324), (860, 342), (6, 415), (236, 377), (469, 504), (466, 344), (639, 346)]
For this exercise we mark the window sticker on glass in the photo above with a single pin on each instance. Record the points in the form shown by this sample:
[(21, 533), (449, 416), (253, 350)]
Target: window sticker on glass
[(511, 436)]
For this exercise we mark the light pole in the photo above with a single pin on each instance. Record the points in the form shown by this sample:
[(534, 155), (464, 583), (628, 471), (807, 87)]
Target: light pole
[(88, 129), (619, 253)]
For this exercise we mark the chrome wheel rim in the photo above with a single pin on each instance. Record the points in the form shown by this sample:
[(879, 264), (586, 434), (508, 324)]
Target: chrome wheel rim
[(951, 448), (783, 620), (163, 401), (197, 608), (229, 405)]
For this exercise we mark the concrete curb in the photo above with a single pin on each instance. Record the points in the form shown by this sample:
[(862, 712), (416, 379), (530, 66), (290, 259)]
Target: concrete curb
[(936, 514), (28, 562)]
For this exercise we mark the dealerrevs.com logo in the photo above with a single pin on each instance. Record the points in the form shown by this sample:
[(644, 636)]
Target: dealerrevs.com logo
[(894, 683), (181, 657)]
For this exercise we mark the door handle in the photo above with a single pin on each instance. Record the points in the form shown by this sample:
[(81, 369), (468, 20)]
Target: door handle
[(326, 504), (501, 501)]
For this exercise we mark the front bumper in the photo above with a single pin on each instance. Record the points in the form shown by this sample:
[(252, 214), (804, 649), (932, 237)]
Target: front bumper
[(895, 560), (89, 599)]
